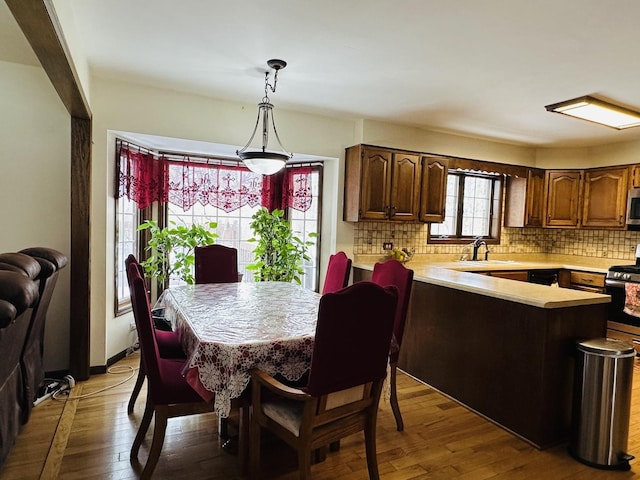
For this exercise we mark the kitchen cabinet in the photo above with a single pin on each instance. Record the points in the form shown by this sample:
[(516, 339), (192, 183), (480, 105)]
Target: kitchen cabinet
[(593, 198), (524, 205), (635, 176), (580, 280), (519, 275), (563, 189), (521, 375), (605, 197), (381, 184), (433, 188)]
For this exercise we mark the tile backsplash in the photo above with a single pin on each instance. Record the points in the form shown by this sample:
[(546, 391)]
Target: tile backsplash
[(619, 244)]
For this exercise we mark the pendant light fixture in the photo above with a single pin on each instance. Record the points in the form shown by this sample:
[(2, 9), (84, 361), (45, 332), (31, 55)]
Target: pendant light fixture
[(264, 161)]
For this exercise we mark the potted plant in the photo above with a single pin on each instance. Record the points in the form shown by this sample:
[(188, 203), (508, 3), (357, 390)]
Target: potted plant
[(172, 249), (279, 252)]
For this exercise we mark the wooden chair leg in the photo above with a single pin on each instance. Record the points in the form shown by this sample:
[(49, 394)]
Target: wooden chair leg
[(254, 450), (320, 454), (223, 428), (159, 429), (142, 431), (370, 446), (137, 387), (304, 463), (243, 438), (394, 399)]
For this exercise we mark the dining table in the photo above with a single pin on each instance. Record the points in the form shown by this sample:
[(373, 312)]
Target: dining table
[(227, 329)]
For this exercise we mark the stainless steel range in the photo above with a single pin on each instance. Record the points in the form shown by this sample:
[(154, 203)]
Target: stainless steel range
[(628, 326)]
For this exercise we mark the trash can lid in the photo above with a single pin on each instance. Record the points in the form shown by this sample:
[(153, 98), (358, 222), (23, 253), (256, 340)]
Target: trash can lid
[(609, 347)]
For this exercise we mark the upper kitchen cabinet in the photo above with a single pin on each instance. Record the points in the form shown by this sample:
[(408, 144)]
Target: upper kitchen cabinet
[(381, 184), (524, 205), (605, 197), (563, 189), (635, 176), (433, 188)]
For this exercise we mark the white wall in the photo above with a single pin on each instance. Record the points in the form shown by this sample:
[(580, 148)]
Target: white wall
[(396, 136), (35, 129), (605, 155)]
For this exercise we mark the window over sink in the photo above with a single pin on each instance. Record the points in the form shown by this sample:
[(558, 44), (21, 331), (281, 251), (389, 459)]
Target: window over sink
[(473, 208)]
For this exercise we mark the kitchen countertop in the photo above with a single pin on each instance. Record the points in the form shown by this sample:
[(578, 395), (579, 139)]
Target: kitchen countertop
[(457, 275)]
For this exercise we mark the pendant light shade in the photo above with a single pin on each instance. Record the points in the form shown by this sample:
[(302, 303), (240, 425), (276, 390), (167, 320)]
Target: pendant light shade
[(262, 160)]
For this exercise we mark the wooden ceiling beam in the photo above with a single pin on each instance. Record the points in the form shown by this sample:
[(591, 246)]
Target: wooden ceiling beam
[(40, 25)]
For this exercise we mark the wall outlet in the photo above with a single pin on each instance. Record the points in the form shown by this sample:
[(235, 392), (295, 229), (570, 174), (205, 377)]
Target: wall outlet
[(387, 246)]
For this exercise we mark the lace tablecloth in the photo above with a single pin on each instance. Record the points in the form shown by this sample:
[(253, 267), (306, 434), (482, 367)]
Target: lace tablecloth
[(229, 328)]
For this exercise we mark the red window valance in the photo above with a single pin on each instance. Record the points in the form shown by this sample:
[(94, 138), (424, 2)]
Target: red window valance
[(145, 177), (224, 187), (141, 177)]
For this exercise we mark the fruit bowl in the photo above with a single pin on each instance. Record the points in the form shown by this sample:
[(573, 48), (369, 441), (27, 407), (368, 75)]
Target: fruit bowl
[(401, 254)]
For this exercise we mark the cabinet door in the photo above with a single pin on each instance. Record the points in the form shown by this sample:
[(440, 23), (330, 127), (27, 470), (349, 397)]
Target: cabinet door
[(375, 201), (635, 176), (433, 190), (563, 197), (519, 275), (534, 211), (405, 187), (524, 205), (605, 197)]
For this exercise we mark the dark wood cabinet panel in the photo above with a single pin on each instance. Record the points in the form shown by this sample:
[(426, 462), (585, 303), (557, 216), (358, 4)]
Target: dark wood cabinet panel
[(521, 374), (381, 184), (433, 191), (635, 176), (524, 205), (376, 184), (519, 275), (562, 192), (605, 197), (405, 187)]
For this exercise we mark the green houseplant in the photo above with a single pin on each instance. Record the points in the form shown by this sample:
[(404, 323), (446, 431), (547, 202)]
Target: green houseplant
[(279, 252), (172, 249)]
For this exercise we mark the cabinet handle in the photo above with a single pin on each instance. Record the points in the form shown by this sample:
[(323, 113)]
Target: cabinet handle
[(587, 280)]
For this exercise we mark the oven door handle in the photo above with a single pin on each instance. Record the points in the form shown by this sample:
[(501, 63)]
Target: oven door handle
[(614, 283)]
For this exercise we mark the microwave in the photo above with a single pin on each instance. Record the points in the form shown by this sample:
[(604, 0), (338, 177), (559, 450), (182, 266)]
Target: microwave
[(633, 207)]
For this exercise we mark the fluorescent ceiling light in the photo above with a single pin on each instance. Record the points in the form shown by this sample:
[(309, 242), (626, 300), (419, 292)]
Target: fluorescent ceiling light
[(597, 111)]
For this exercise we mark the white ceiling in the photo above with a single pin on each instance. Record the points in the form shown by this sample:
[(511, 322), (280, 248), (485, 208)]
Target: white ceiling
[(484, 68)]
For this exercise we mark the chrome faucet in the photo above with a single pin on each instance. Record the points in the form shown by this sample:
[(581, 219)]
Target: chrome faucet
[(477, 243)]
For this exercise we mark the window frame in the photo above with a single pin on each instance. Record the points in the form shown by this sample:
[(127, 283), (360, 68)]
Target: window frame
[(160, 213), (123, 305), (319, 170), (495, 211)]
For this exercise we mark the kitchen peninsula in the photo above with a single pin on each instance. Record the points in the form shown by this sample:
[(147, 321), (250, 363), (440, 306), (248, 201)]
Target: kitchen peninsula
[(503, 348)]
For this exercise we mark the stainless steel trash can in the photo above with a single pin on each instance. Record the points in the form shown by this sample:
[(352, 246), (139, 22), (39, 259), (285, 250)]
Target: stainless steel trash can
[(602, 402)]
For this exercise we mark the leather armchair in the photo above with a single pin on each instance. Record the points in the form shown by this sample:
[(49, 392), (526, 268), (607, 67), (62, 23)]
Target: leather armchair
[(50, 261), (18, 296)]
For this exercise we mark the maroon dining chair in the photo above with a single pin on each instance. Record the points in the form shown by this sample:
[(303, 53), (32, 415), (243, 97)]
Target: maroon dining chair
[(169, 344), (168, 393), (338, 271), (392, 272), (344, 384), (216, 264)]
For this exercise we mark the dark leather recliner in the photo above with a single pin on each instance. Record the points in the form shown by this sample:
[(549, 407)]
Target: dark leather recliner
[(50, 261), (18, 296)]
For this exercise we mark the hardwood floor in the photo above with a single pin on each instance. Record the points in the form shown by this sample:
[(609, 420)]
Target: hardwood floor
[(90, 438)]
